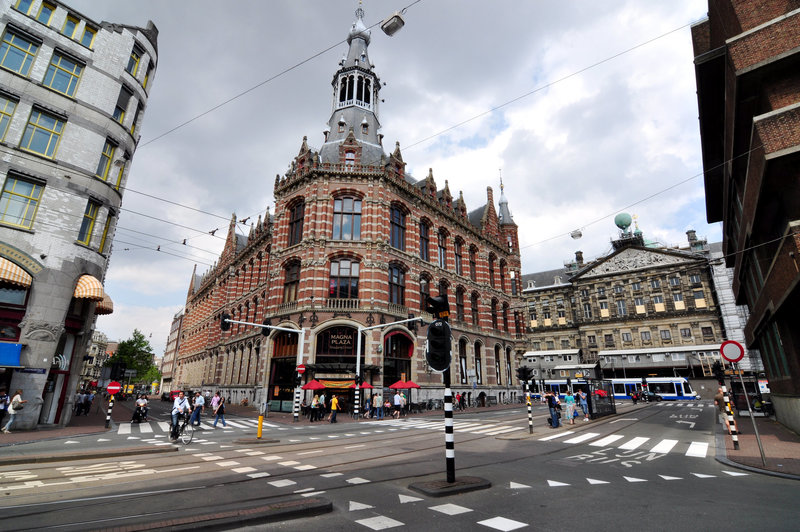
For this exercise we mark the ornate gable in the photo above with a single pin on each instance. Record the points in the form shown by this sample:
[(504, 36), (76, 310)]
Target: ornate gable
[(633, 259)]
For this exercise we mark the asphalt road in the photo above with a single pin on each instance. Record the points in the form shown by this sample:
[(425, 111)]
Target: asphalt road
[(652, 467)]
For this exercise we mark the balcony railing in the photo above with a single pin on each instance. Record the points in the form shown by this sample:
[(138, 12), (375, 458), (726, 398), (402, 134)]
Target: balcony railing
[(289, 306), (342, 304)]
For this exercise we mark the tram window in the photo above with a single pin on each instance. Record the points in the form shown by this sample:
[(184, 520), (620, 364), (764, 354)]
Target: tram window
[(687, 388), (619, 389)]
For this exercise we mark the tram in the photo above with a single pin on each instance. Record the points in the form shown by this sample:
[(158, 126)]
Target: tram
[(669, 388)]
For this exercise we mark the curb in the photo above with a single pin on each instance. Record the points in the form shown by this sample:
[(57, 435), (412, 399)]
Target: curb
[(86, 455), (721, 456)]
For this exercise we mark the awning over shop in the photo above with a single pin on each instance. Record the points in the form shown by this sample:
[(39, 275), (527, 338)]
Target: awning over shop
[(89, 288), (10, 354), (106, 306), (11, 273)]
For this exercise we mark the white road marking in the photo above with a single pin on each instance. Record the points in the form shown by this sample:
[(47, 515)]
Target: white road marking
[(583, 437), (282, 483), (555, 484), (354, 506), (357, 480), (593, 481), (244, 469), (608, 440), (664, 446), (379, 522), (698, 448), (227, 463), (258, 475), (124, 429), (558, 435), (633, 444), (501, 523), (450, 509), (634, 479)]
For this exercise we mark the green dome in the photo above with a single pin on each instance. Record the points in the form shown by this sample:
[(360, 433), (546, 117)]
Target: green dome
[(623, 220)]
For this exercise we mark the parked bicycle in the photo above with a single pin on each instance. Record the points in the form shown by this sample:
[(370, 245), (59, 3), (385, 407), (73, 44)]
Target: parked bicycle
[(185, 430)]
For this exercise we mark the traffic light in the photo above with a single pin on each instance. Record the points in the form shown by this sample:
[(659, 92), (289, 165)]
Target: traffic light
[(223, 321), (438, 306), (437, 353), (524, 373), (359, 380), (264, 330), (298, 380)]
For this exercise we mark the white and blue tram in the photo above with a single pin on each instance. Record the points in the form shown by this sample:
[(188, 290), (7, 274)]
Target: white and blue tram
[(669, 388)]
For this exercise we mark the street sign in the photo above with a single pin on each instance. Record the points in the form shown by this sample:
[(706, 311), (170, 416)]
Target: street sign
[(301, 369), (732, 351), (113, 387)]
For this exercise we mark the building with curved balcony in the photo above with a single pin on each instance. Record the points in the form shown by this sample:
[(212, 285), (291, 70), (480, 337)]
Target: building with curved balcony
[(72, 97), (355, 241)]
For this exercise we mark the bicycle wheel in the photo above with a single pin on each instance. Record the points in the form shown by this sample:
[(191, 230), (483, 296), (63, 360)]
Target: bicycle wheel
[(187, 432)]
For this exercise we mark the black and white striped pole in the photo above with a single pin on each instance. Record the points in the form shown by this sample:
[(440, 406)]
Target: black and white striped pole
[(108, 415), (438, 354), (524, 376)]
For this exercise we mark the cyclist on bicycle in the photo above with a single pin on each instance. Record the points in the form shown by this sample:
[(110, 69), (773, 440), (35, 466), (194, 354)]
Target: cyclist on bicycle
[(180, 408)]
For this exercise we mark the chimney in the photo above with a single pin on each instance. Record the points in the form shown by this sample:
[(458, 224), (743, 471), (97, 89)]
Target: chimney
[(692, 236), (579, 258)]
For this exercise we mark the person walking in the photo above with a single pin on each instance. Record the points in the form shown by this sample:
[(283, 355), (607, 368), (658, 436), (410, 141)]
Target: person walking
[(180, 408), (458, 400), (17, 404), (199, 406), (377, 404), (322, 406), (4, 400), (584, 404), (219, 409), (314, 409), (334, 408), (570, 400), (397, 404), (552, 405)]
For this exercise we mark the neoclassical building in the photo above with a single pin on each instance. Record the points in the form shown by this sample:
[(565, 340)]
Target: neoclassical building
[(73, 93), (356, 241)]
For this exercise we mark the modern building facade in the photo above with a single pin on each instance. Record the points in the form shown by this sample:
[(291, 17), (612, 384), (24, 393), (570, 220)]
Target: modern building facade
[(642, 310), (747, 66), (72, 97), (356, 241)]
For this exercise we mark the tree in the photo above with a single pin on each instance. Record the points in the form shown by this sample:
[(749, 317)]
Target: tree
[(151, 375), (136, 353)]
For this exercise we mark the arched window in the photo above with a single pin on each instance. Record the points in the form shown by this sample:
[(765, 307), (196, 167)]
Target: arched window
[(291, 281), (397, 239), (397, 285), (494, 313), (397, 355), (457, 245), (497, 364), (462, 360), (347, 218), (503, 275), (473, 263), (442, 249), (424, 241), (296, 215), (474, 309), (505, 317), (424, 291), (344, 279), (478, 367), (491, 269), (460, 303)]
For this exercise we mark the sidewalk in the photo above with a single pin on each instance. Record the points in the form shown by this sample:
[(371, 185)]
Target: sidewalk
[(781, 445)]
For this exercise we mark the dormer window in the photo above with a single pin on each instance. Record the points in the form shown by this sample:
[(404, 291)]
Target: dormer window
[(364, 127), (350, 159), (342, 123)]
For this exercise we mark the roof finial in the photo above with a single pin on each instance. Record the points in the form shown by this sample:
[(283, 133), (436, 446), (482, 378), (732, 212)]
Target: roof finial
[(360, 10), (500, 171)]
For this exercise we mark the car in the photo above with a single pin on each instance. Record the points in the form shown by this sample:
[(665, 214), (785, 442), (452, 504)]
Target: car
[(648, 397)]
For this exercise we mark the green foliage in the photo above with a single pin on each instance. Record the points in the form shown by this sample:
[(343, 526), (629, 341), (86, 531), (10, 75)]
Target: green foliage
[(136, 353), (151, 375)]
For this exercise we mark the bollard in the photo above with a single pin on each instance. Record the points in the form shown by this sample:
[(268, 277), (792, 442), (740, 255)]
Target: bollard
[(108, 415)]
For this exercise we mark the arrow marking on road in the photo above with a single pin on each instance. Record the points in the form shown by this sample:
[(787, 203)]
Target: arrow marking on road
[(688, 423), (593, 481), (515, 486), (634, 479), (665, 477), (554, 484), (70, 441), (359, 506), (624, 419)]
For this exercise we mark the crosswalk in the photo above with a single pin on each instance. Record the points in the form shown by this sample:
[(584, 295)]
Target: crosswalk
[(478, 427), (696, 449), (153, 427)]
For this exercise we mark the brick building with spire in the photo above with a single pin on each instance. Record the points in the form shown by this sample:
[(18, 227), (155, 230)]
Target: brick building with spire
[(356, 241)]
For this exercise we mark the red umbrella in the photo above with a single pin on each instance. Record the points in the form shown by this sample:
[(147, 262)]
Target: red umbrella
[(404, 385), (313, 384), (364, 385)]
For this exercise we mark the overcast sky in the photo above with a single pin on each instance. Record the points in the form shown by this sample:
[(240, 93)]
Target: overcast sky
[(588, 108)]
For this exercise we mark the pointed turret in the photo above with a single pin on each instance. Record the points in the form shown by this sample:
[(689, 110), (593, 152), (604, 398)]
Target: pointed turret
[(355, 101), (504, 214)]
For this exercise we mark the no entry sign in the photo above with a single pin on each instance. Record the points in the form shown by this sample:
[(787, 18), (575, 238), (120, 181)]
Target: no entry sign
[(113, 387), (301, 369), (732, 351)]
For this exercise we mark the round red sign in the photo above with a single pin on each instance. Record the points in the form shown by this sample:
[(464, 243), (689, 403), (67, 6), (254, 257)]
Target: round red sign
[(301, 369), (113, 387), (732, 351)]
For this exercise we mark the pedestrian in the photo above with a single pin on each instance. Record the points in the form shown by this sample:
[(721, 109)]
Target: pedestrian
[(4, 400), (199, 406), (387, 407), (570, 401), (334, 408), (397, 404), (584, 404), (16, 405), (88, 397), (458, 400), (403, 404), (219, 409), (463, 403), (552, 405), (719, 401), (377, 405), (180, 408)]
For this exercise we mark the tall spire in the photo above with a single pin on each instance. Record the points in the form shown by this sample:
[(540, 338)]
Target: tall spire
[(355, 100), (505, 213)]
